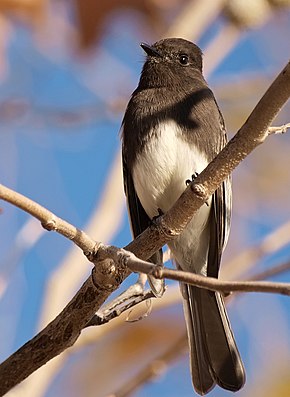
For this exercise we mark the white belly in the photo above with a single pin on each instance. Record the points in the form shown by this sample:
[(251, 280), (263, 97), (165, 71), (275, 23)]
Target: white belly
[(159, 176)]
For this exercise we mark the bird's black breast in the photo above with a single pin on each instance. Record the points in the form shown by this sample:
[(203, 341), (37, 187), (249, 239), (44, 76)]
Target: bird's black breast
[(194, 111)]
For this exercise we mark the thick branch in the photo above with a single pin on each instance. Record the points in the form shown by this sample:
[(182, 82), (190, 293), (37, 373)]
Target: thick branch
[(65, 329), (60, 334)]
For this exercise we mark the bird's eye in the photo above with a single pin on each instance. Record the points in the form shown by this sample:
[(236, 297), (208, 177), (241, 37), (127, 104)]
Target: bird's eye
[(183, 59)]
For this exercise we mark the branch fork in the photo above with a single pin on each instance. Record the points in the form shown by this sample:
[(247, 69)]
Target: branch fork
[(119, 261), (110, 265)]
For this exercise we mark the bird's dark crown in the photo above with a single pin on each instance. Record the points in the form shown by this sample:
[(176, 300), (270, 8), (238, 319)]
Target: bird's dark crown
[(171, 63), (177, 51)]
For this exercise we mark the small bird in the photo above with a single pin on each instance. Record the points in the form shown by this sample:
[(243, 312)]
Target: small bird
[(172, 129)]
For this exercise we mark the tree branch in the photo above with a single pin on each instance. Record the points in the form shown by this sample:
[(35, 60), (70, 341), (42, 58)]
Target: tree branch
[(138, 265), (279, 130), (225, 287), (106, 276), (103, 318), (48, 219), (132, 297)]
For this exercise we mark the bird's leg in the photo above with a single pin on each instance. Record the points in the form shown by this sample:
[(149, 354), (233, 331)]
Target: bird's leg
[(193, 177), (160, 213)]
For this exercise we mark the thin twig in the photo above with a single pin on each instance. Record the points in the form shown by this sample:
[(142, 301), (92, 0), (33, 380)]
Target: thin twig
[(115, 309), (100, 318), (213, 284), (279, 130), (104, 222), (223, 286), (48, 219)]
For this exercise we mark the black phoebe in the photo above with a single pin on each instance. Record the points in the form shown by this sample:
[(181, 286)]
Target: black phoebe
[(171, 130)]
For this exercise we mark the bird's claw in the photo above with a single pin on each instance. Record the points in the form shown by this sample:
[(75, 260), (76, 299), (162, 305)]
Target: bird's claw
[(160, 213), (193, 177)]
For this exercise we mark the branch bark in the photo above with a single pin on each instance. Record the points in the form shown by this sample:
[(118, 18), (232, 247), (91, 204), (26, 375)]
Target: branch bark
[(138, 265), (48, 219), (65, 329)]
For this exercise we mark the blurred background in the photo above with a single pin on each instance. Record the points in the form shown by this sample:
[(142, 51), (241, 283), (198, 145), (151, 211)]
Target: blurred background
[(67, 69)]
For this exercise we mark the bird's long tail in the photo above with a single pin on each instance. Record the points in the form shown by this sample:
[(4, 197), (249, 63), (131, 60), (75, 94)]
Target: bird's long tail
[(214, 357)]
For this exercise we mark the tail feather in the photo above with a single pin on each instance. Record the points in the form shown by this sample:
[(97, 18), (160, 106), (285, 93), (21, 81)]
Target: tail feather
[(213, 351), (202, 379)]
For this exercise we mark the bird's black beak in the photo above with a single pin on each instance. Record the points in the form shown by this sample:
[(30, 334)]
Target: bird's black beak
[(150, 50)]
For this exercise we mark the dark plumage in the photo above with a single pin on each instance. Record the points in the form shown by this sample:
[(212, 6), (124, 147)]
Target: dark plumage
[(171, 130)]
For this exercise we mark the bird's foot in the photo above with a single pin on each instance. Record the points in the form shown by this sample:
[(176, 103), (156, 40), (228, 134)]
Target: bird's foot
[(193, 177), (160, 213)]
